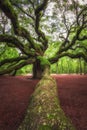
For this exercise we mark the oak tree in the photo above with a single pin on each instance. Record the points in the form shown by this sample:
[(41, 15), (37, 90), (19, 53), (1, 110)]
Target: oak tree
[(27, 27)]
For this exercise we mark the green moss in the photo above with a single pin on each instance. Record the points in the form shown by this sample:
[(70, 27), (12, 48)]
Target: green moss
[(44, 111), (43, 61), (45, 127)]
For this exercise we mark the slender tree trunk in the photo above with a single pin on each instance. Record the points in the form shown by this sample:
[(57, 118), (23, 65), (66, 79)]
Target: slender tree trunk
[(68, 64), (57, 67), (62, 69), (80, 66), (85, 67), (44, 111)]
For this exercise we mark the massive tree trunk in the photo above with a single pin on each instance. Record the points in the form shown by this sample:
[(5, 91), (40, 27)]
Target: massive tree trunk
[(37, 70), (44, 111)]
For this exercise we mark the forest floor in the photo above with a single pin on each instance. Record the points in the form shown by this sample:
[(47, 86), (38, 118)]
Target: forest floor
[(15, 93)]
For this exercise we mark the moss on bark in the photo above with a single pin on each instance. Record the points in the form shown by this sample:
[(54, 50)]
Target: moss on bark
[(44, 111)]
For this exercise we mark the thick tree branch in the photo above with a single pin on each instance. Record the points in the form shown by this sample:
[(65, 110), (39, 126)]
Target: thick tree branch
[(38, 13), (80, 18), (82, 38), (71, 55), (32, 3), (17, 59), (81, 12), (22, 10), (17, 43), (13, 40), (73, 41), (77, 55), (9, 11), (79, 47), (41, 7), (17, 66), (2, 50)]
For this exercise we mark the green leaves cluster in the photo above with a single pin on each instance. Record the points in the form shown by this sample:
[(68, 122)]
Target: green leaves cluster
[(9, 53), (52, 49)]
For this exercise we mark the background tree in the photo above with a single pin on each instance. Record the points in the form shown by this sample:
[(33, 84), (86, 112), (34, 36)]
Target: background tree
[(28, 32)]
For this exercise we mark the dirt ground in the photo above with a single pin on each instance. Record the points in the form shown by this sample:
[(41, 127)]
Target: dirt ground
[(15, 93)]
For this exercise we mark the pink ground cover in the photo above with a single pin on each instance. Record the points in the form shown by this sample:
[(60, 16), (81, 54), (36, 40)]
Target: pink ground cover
[(16, 91)]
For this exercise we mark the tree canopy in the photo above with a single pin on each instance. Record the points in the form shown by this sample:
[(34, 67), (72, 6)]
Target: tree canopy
[(29, 29)]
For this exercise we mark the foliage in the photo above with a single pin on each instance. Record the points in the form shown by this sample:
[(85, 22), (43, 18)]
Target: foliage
[(25, 70), (41, 29), (52, 49), (43, 61), (69, 66)]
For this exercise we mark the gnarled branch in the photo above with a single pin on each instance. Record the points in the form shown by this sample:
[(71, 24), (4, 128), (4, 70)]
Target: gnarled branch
[(71, 55), (17, 66), (9, 11), (17, 59), (13, 40), (38, 13)]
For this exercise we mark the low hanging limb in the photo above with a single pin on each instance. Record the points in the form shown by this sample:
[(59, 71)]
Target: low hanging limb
[(16, 42), (13, 40), (78, 55), (71, 55), (18, 66), (17, 59)]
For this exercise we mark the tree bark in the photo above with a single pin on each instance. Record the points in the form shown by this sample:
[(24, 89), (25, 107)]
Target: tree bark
[(85, 67), (37, 70), (44, 111)]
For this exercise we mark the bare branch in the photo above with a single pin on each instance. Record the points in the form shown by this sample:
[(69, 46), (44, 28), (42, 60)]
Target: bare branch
[(24, 11), (32, 3)]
